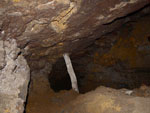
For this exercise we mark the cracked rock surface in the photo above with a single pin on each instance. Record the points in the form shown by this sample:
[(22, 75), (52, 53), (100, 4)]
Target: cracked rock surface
[(46, 29), (14, 78)]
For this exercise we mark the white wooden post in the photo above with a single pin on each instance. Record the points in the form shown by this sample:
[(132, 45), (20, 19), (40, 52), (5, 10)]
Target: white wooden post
[(71, 72)]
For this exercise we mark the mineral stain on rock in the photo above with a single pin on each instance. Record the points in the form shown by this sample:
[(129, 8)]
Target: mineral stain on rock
[(38, 32), (59, 23), (114, 63)]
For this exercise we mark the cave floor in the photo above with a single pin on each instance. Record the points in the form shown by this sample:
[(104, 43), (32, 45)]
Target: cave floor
[(42, 99)]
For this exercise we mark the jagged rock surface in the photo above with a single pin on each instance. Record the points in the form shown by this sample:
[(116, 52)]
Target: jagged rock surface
[(14, 78), (45, 29)]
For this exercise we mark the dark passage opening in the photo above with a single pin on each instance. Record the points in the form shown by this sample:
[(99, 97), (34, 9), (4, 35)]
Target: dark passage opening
[(59, 78), (89, 80), (118, 60)]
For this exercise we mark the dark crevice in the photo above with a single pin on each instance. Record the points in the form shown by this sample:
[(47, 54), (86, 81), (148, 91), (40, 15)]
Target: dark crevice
[(19, 53), (57, 80), (28, 89), (148, 38)]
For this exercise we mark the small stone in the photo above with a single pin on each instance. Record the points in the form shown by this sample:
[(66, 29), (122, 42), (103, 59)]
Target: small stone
[(129, 92)]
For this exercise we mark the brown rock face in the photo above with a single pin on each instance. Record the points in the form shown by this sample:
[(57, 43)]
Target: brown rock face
[(48, 28), (120, 59), (43, 30)]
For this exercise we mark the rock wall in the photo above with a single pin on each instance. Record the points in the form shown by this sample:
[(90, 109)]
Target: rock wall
[(14, 78), (45, 29), (120, 59)]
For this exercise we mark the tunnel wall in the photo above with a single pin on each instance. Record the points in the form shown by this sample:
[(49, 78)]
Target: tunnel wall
[(45, 29), (14, 78)]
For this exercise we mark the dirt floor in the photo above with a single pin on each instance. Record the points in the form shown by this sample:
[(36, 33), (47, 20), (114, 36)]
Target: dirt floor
[(42, 99)]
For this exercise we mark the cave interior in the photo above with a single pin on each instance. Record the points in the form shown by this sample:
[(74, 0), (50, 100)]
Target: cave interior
[(119, 60)]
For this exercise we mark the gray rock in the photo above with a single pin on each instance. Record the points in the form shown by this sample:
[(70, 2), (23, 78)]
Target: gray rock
[(14, 78)]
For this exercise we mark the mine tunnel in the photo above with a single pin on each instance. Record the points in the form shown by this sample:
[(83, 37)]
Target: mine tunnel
[(107, 42)]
